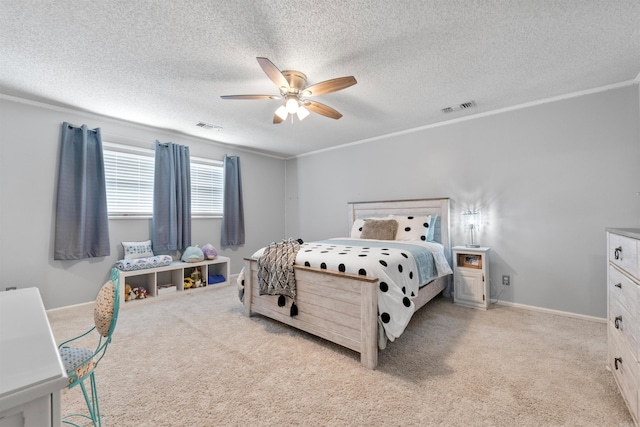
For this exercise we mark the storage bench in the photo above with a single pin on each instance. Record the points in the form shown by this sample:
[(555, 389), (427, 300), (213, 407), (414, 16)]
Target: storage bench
[(173, 274)]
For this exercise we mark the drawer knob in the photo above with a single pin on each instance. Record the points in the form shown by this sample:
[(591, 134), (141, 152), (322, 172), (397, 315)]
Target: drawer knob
[(618, 320), (616, 361), (617, 253), (618, 285)]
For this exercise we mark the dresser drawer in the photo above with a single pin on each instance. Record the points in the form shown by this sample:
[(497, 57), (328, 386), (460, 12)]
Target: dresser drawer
[(622, 289), (623, 251), (625, 369), (625, 323)]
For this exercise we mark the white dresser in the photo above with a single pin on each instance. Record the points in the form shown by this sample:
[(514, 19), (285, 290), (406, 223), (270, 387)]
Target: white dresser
[(623, 291)]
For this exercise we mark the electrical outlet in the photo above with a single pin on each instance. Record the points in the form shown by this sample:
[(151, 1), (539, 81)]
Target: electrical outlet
[(506, 280)]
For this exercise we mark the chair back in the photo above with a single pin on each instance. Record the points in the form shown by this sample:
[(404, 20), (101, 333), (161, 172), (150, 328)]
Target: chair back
[(105, 312)]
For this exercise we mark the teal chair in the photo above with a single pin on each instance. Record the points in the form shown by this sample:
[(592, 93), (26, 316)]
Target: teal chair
[(79, 362)]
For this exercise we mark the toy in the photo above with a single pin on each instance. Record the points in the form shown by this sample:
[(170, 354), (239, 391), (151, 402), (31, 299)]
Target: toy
[(128, 293), (196, 276), (188, 283), (140, 292), (209, 251), (192, 254)]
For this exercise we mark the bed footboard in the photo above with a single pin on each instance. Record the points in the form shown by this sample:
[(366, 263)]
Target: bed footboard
[(339, 307)]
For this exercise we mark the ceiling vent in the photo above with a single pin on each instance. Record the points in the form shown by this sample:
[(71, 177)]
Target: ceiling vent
[(462, 106), (204, 125)]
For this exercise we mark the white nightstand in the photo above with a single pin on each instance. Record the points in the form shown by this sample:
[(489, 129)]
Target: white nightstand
[(471, 276)]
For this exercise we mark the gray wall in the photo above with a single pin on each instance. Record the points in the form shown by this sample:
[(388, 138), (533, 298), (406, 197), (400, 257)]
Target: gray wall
[(29, 146), (548, 179)]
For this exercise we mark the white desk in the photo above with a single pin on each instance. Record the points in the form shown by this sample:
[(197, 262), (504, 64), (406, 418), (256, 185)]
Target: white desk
[(31, 372)]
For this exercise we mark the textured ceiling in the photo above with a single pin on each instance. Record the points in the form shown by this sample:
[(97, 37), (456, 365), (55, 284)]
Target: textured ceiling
[(166, 63)]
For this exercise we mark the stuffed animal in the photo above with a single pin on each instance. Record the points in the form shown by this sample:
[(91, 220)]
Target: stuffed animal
[(140, 292), (188, 282), (192, 254), (128, 293), (196, 276), (209, 251)]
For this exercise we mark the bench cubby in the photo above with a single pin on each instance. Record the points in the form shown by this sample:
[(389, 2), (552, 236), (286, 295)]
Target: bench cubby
[(173, 274)]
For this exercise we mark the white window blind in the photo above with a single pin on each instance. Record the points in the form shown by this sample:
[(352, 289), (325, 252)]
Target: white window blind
[(206, 188), (129, 179)]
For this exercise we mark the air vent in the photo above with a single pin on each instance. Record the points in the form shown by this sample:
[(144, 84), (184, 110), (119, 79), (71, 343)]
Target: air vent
[(462, 106), (204, 125)]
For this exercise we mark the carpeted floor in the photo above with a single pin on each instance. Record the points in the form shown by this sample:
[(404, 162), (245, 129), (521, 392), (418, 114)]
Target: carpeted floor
[(193, 359)]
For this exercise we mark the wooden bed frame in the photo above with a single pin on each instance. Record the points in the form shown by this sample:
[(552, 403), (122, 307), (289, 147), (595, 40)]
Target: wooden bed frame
[(349, 317)]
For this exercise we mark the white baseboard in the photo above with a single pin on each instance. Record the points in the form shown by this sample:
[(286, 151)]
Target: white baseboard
[(70, 306), (232, 282), (550, 311)]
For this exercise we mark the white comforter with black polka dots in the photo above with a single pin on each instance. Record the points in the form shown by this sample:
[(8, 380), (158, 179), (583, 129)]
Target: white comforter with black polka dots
[(392, 262)]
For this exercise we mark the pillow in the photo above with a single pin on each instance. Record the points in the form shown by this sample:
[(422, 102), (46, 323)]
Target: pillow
[(137, 249), (143, 263), (412, 227), (384, 229), (356, 228), (431, 235)]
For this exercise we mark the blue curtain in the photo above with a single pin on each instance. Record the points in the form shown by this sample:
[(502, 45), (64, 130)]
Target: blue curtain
[(171, 223), (233, 211), (82, 222)]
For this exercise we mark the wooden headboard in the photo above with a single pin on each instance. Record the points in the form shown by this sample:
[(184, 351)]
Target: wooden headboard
[(416, 207)]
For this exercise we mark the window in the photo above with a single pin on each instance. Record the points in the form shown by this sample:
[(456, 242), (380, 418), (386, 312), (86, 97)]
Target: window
[(206, 188), (129, 178)]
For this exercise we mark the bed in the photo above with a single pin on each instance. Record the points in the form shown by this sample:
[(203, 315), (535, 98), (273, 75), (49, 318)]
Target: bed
[(343, 306)]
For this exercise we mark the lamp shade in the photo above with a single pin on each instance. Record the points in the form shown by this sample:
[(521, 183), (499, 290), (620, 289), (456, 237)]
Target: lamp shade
[(471, 222), (471, 219), (292, 105), (302, 113), (282, 112)]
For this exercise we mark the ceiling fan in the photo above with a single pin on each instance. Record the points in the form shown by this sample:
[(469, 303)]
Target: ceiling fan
[(294, 90)]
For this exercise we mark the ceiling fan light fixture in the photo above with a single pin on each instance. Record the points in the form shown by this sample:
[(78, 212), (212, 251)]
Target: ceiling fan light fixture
[(302, 113), (292, 105), (282, 112)]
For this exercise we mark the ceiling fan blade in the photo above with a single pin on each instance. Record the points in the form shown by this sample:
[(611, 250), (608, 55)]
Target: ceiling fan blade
[(277, 119), (250, 97), (329, 86), (273, 73), (322, 109)]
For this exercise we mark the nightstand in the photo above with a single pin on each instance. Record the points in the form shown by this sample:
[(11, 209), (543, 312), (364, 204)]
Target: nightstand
[(471, 277)]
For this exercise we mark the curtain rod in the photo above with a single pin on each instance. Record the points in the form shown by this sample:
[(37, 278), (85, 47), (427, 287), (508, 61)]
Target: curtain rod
[(80, 127)]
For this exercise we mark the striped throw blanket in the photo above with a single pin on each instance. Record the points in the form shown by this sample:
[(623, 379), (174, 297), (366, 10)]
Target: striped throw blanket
[(275, 268)]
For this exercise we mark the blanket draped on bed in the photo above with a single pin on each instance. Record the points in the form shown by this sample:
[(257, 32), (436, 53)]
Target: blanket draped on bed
[(275, 268)]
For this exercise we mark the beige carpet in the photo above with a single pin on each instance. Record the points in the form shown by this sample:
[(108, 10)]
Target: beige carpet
[(193, 359)]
